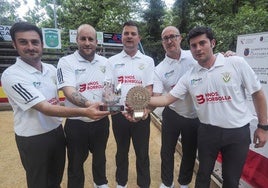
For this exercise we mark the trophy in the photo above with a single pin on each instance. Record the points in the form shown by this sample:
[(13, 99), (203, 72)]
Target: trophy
[(110, 98), (138, 98)]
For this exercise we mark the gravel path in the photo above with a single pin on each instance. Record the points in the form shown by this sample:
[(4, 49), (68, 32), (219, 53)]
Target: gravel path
[(12, 173)]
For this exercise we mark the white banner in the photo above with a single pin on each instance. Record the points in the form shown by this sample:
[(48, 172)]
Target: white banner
[(254, 48), (72, 36), (73, 33)]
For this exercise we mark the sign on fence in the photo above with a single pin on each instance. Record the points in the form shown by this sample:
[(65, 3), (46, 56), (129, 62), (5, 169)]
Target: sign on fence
[(52, 38), (4, 33)]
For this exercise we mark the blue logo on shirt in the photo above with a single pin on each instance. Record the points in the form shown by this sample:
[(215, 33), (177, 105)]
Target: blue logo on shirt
[(37, 84), (195, 81), (169, 74)]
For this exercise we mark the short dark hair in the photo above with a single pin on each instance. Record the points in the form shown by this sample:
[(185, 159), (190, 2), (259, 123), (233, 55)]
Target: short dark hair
[(22, 27), (200, 30), (131, 23)]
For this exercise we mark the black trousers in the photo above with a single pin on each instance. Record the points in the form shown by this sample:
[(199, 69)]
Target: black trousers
[(233, 145), (174, 126), (43, 158), (82, 138), (139, 132)]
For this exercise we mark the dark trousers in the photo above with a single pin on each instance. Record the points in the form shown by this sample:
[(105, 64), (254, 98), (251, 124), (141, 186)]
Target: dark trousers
[(174, 126), (139, 132), (233, 145), (83, 137), (43, 158)]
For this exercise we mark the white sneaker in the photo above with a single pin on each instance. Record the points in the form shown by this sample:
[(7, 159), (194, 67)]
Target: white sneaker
[(164, 186), (120, 186), (101, 186)]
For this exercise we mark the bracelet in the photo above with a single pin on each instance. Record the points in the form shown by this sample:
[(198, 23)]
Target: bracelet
[(263, 127)]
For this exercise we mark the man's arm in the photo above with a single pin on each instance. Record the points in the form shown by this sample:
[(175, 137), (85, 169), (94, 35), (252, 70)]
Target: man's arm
[(92, 111), (163, 100), (150, 89), (260, 104), (152, 108), (75, 97)]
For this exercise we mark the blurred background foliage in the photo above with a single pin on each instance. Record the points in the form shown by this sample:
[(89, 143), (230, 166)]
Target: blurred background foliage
[(228, 18)]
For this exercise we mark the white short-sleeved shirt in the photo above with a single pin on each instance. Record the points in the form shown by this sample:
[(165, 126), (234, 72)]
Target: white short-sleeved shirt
[(25, 86), (131, 71), (167, 74), (219, 93), (87, 77)]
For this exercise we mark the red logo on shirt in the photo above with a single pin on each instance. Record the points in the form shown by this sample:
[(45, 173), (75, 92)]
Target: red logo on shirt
[(200, 99), (90, 86), (212, 97), (128, 79)]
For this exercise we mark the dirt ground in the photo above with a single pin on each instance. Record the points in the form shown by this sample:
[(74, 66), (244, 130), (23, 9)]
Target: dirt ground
[(12, 174)]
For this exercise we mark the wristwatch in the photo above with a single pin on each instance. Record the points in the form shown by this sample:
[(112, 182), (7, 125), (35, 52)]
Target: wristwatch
[(263, 127)]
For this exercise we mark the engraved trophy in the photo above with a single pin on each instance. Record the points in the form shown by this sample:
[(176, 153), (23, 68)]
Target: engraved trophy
[(111, 97), (138, 98)]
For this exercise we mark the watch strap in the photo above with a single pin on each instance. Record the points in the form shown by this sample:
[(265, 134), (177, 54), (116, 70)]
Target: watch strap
[(264, 127)]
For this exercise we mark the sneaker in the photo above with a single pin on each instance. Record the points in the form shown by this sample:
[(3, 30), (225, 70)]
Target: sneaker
[(164, 186), (120, 186), (101, 186)]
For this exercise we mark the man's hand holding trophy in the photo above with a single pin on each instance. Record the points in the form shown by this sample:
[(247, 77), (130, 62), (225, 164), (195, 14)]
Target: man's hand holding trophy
[(137, 100), (111, 97)]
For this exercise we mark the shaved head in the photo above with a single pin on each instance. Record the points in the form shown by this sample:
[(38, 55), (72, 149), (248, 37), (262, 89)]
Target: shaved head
[(86, 27), (170, 28)]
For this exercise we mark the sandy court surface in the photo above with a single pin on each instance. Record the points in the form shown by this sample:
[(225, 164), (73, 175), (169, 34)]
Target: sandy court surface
[(12, 174)]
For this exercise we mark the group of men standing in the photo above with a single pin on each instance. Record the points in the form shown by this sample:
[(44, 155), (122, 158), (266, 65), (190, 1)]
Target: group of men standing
[(31, 87)]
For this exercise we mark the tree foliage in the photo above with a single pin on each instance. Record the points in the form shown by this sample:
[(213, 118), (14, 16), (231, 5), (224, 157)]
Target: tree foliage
[(228, 18), (36, 15), (153, 18), (104, 15), (8, 14)]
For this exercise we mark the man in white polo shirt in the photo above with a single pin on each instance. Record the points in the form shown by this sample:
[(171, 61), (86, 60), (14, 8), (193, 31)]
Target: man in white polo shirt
[(179, 119), (30, 86), (81, 76), (217, 86), (131, 68)]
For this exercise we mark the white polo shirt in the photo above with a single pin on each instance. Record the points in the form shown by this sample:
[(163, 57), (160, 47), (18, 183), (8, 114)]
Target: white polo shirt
[(87, 77), (131, 71), (167, 74), (219, 93), (25, 86)]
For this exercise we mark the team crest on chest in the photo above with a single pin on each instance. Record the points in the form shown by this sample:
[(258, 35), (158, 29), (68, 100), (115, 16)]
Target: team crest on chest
[(103, 69), (226, 76), (141, 66)]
